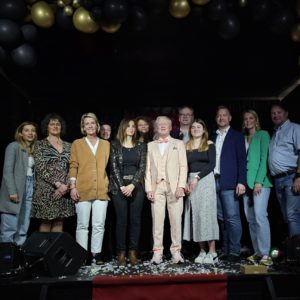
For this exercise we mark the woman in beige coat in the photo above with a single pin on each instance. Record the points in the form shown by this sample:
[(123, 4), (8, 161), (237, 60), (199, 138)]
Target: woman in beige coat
[(89, 184)]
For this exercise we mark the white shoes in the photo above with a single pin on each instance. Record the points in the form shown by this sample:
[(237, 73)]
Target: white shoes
[(199, 259), (157, 257), (211, 258), (177, 258)]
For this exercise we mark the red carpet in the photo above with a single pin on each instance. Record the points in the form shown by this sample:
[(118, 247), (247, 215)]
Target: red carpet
[(160, 287)]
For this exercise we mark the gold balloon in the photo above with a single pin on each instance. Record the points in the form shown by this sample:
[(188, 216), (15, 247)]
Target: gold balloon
[(42, 14), (60, 3), (295, 33), (110, 28), (76, 3), (83, 21), (67, 2), (179, 8), (243, 3), (68, 10), (30, 1), (200, 2)]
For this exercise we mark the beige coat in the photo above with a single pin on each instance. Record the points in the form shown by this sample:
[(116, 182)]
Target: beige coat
[(175, 161), (90, 170)]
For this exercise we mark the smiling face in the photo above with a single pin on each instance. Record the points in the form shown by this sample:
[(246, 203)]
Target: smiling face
[(197, 130), (105, 131), (223, 118), (142, 126), (278, 115), (130, 130), (163, 126), (28, 133), (54, 127), (90, 126), (249, 121)]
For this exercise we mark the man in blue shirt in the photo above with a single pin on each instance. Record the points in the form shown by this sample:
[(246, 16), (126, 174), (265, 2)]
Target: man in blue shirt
[(284, 164)]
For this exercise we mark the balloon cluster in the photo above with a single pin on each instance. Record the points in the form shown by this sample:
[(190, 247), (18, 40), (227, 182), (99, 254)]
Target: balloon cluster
[(16, 38), (88, 16)]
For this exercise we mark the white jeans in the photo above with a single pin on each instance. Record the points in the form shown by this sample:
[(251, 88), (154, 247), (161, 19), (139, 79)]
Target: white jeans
[(83, 210)]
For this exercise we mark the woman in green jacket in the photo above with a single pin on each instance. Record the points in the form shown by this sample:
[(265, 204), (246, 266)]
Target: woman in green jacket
[(258, 187)]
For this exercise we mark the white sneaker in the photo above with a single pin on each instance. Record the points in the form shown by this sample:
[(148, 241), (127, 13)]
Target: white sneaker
[(211, 258), (177, 258), (157, 257), (200, 257)]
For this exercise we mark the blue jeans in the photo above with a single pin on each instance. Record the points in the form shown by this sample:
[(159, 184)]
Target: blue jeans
[(14, 227), (289, 203), (255, 207), (228, 210)]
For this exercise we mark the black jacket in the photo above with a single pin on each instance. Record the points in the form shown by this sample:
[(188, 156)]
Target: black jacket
[(116, 166)]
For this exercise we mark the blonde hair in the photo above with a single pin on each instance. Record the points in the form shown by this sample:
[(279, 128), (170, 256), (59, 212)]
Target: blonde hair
[(89, 115), (20, 140), (204, 139), (255, 115), (121, 134)]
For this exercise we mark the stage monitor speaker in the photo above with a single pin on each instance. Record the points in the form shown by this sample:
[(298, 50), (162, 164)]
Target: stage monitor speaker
[(11, 259), (57, 252)]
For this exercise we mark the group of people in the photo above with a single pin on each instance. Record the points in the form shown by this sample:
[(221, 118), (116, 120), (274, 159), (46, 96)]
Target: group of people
[(199, 179)]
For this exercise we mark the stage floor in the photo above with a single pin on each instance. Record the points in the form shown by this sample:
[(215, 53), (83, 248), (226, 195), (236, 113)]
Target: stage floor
[(282, 280)]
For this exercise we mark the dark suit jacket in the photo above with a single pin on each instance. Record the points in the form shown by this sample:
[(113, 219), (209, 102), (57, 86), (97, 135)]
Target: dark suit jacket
[(233, 160)]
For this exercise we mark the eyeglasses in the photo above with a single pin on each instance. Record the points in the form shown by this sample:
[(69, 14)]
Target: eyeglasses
[(185, 115)]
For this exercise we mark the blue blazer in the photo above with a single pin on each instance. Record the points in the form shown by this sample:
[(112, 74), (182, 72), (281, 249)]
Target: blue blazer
[(233, 160)]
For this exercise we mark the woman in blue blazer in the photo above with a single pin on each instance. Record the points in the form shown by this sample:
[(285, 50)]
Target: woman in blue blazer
[(258, 187)]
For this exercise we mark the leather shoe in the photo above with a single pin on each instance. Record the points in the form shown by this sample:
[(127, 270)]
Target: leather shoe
[(132, 255)]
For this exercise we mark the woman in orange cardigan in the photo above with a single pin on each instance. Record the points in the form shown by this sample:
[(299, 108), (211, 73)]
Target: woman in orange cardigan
[(89, 184)]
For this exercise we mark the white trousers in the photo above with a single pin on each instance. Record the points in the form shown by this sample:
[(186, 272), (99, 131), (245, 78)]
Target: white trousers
[(84, 209)]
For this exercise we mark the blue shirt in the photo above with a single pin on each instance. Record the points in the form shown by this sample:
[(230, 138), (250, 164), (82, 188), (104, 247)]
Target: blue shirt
[(284, 147)]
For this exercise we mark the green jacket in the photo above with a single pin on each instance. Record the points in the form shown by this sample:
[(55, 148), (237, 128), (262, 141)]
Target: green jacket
[(257, 160)]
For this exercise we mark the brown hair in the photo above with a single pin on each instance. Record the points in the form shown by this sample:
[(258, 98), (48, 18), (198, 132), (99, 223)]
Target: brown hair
[(204, 139)]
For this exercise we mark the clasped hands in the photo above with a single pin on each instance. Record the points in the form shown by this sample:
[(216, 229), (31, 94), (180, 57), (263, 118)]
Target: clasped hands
[(127, 190)]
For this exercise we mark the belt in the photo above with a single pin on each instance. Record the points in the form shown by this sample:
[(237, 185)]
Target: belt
[(284, 174), (128, 177)]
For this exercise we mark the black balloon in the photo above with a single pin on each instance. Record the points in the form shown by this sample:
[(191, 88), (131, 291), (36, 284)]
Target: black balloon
[(217, 9), (261, 10), (229, 27), (137, 18), (96, 13), (30, 33), (24, 56), (63, 21), (88, 4), (10, 33), (4, 56), (115, 11), (281, 21), (13, 9)]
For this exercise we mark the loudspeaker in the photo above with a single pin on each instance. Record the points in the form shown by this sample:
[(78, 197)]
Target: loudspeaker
[(56, 253), (293, 249), (11, 259)]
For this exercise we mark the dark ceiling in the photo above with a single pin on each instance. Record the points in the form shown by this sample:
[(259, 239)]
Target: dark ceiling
[(170, 61)]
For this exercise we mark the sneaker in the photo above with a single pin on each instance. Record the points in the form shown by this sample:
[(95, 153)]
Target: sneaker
[(157, 257), (254, 258), (266, 261), (211, 258), (200, 257), (177, 258)]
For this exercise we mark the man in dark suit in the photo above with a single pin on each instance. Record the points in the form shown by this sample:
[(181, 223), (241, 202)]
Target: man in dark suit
[(230, 175)]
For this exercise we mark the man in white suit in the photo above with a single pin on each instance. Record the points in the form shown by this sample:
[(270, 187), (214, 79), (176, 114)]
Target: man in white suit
[(166, 175)]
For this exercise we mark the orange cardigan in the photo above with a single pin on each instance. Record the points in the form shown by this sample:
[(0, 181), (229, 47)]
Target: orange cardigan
[(90, 170)]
